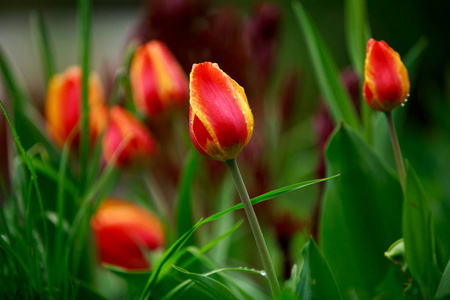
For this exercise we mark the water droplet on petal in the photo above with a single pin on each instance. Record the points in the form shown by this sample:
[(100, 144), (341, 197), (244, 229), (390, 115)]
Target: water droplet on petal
[(403, 104)]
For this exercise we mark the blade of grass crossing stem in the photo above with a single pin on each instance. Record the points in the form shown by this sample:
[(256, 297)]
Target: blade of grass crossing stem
[(268, 196), (216, 289), (326, 71), (52, 174), (33, 177), (60, 206), (180, 242), (84, 7), (45, 52), (184, 210), (358, 33)]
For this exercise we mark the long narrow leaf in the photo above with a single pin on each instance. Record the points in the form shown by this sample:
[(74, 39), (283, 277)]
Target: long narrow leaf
[(45, 51), (444, 286), (358, 33), (216, 289), (268, 196), (326, 71)]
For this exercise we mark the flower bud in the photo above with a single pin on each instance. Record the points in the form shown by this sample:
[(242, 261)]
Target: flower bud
[(386, 81), (128, 139), (157, 79), (122, 231), (220, 119), (63, 106)]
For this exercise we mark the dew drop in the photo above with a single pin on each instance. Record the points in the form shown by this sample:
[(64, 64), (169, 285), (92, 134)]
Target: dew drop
[(408, 95), (263, 273), (403, 104)]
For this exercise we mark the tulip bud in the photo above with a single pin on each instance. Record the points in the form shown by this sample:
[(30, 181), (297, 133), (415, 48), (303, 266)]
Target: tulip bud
[(127, 138), (63, 106), (122, 231), (157, 79), (386, 84), (221, 122)]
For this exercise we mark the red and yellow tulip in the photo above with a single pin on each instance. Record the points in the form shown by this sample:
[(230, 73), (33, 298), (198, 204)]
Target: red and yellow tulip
[(221, 121), (157, 79), (122, 231), (386, 81), (63, 106), (128, 139)]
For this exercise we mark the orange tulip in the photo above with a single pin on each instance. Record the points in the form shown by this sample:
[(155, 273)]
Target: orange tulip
[(127, 138), (63, 106), (221, 122), (157, 79), (122, 231), (386, 84)]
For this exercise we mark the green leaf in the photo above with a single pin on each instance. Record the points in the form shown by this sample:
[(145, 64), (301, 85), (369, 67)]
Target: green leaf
[(316, 280), (326, 71), (268, 196), (418, 235), (358, 33), (184, 210), (444, 286), (361, 215), (24, 115), (396, 254), (84, 15), (46, 54), (216, 289), (175, 248)]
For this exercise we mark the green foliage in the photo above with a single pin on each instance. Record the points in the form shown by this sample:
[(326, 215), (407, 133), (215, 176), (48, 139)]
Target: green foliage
[(418, 236), (361, 214), (316, 280)]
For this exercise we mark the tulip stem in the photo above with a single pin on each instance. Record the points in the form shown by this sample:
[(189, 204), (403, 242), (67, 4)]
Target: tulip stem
[(396, 149), (256, 229)]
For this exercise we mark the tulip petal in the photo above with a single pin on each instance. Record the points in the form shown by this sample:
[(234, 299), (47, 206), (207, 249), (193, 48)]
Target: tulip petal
[(221, 106)]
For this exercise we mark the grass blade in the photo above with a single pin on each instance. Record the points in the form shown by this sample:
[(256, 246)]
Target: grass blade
[(215, 288), (326, 71), (183, 210), (84, 10), (42, 39), (358, 33)]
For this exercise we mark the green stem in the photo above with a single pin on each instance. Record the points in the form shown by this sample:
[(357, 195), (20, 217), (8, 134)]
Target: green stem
[(366, 114), (84, 15), (256, 229), (396, 149)]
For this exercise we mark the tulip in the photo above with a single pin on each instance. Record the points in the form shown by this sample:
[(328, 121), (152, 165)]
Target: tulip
[(157, 79), (221, 122), (63, 106), (386, 84), (128, 139), (122, 231)]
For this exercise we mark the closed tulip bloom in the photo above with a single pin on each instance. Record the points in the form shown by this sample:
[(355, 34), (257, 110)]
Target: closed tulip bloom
[(127, 138), (220, 119), (157, 79), (123, 231), (386, 84), (63, 106)]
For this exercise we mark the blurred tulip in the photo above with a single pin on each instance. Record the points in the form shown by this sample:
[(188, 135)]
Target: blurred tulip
[(386, 84), (221, 122), (127, 138), (157, 79), (122, 231), (63, 106)]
